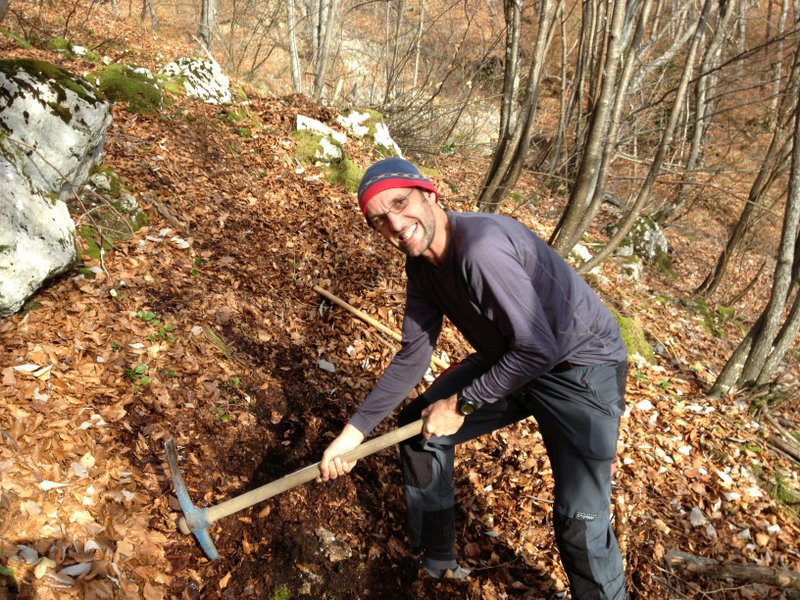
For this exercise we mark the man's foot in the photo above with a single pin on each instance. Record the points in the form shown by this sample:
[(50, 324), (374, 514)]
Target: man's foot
[(459, 573)]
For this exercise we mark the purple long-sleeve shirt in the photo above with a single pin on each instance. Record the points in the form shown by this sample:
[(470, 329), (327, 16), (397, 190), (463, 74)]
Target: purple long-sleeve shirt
[(515, 300)]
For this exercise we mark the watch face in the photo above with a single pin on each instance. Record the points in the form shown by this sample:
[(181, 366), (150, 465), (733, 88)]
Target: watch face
[(466, 408)]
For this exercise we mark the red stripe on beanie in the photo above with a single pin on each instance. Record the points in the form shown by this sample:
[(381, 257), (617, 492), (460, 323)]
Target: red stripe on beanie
[(391, 183)]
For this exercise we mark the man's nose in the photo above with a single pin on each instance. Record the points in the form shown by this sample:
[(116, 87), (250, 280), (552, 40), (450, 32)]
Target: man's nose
[(395, 221)]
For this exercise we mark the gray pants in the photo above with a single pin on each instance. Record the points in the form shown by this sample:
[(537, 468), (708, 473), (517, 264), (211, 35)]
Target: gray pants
[(578, 412)]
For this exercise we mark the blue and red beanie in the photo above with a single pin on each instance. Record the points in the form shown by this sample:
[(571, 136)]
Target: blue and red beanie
[(391, 173)]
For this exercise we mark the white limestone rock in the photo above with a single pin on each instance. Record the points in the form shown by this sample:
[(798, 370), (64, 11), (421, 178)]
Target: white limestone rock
[(37, 239), (52, 130), (52, 125), (202, 79), (302, 123)]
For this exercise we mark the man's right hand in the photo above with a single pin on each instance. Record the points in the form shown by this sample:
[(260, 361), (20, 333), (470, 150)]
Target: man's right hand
[(331, 465)]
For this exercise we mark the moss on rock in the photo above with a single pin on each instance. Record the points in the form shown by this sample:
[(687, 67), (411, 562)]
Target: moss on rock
[(345, 173), (67, 48), (633, 335), (306, 143), (45, 71), (136, 87)]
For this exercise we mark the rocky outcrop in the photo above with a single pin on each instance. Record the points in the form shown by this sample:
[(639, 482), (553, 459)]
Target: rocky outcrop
[(202, 79), (52, 130)]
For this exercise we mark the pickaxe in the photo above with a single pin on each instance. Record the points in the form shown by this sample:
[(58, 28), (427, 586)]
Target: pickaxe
[(198, 520)]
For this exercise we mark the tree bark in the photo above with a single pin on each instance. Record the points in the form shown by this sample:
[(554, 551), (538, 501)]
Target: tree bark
[(566, 232), (321, 66), (771, 168), (759, 354), (3, 9), (208, 21), (784, 270), (297, 80), (149, 6), (704, 87), (780, 578)]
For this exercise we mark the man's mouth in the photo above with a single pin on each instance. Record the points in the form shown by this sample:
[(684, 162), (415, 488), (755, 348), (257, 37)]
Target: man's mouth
[(407, 233)]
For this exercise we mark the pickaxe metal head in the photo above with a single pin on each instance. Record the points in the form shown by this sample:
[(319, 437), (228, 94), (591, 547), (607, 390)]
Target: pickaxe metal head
[(194, 519)]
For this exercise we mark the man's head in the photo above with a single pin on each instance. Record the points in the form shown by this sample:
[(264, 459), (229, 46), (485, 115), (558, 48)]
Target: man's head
[(387, 174), (401, 204)]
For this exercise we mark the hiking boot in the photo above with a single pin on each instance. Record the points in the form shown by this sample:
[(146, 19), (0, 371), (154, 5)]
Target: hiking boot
[(459, 573)]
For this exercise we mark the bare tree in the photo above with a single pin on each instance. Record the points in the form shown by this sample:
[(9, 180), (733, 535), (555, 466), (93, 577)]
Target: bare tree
[(704, 87), (148, 6), (569, 228), (516, 121), (772, 167), (755, 359), (324, 35), (666, 141)]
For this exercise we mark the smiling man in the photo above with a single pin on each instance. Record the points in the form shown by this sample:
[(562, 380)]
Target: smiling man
[(545, 345)]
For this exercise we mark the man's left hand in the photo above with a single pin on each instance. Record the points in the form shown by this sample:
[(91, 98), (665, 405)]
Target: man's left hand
[(441, 418)]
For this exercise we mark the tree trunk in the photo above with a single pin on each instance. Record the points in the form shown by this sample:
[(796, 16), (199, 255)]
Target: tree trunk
[(149, 6), (418, 42), (321, 66), (666, 141), (297, 80), (566, 232), (771, 169), (764, 346), (208, 21), (3, 9), (780, 578), (704, 87), (785, 270), (777, 68), (393, 39), (512, 147)]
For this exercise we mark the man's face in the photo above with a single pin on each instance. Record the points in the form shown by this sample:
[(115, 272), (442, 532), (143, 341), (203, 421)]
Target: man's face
[(404, 216)]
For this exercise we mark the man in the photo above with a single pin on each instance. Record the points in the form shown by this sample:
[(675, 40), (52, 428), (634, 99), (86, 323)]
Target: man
[(545, 346)]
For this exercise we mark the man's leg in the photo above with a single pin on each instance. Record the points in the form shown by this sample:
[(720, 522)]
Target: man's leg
[(578, 412), (428, 464)]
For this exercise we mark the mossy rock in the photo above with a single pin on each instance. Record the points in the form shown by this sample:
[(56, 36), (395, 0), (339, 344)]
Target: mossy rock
[(136, 87), (345, 173), (633, 336), (74, 51), (172, 84), (45, 71), (20, 42), (306, 143), (111, 213)]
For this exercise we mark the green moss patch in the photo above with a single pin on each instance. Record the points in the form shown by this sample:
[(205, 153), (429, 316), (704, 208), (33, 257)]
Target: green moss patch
[(123, 83), (306, 144), (172, 84), (633, 335), (45, 71), (345, 173), (18, 41)]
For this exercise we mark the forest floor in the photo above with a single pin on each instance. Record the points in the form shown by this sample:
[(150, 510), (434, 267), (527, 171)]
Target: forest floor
[(204, 327)]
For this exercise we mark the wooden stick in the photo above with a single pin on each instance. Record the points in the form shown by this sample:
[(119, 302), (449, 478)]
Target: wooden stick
[(367, 319), (780, 578)]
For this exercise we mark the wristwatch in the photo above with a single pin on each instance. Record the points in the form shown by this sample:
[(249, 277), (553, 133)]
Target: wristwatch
[(465, 406)]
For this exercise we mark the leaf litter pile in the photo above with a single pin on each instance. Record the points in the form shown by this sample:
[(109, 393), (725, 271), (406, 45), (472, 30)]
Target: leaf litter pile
[(205, 327)]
